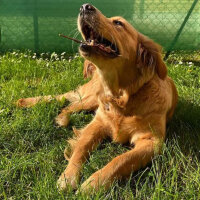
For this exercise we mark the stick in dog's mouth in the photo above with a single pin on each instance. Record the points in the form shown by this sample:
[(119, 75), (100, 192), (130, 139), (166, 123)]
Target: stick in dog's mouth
[(70, 38), (92, 43)]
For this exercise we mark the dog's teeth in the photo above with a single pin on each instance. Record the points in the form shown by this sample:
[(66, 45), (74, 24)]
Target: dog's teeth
[(92, 42)]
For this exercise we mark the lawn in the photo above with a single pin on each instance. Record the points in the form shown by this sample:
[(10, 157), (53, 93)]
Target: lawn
[(31, 145)]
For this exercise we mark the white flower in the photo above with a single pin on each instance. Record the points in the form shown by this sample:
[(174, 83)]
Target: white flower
[(2, 110), (54, 55)]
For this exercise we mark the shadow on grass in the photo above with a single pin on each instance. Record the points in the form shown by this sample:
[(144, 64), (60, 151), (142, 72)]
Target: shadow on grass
[(183, 130), (185, 126)]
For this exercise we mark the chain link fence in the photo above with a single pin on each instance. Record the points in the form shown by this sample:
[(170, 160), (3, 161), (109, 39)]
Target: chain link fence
[(35, 24)]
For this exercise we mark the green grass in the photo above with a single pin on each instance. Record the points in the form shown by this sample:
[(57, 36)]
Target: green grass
[(31, 146), (158, 19)]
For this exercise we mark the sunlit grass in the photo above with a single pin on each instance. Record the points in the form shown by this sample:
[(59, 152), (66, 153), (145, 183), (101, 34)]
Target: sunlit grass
[(31, 146)]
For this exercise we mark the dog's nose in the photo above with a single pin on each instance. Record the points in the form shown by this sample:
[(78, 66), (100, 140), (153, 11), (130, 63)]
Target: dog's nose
[(87, 8)]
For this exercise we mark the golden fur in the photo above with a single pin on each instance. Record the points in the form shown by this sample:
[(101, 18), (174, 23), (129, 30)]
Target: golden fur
[(133, 98)]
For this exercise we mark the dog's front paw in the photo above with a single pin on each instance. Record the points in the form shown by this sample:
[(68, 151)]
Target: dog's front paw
[(95, 182), (89, 185), (62, 120), (66, 181), (27, 102)]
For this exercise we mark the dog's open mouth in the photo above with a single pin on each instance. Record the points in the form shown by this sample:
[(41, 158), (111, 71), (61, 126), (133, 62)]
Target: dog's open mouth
[(95, 41)]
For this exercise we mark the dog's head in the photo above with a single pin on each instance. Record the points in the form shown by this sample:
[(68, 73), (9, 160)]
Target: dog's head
[(114, 46)]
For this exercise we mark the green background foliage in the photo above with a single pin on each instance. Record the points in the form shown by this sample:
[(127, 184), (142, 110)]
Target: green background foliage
[(35, 24)]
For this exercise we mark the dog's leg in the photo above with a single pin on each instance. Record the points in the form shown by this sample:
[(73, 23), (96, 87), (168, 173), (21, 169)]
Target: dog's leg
[(89, 138), (85, 99), (89, 70), (88, 103), (31, 101), (122, 166)]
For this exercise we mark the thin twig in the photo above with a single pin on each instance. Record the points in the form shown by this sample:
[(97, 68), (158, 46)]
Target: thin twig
[(75, 40)]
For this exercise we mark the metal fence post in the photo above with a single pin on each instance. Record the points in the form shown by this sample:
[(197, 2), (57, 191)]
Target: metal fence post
[(142, 2), (35, 27), (180, 29)]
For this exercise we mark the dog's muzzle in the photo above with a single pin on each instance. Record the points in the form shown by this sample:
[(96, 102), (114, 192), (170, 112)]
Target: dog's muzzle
[(95, 42), (86, 9)]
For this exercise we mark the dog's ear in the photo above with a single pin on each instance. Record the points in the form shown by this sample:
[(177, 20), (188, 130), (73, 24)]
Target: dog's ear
[(149, 56), (88, 69)]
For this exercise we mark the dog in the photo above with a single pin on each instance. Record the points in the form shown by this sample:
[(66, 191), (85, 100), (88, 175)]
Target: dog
[(130, 91)]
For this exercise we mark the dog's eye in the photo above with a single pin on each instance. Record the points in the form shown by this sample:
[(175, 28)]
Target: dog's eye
[(118, 23)]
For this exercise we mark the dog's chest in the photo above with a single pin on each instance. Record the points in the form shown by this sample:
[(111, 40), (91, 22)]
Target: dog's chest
[(123, 123), (116, 121)]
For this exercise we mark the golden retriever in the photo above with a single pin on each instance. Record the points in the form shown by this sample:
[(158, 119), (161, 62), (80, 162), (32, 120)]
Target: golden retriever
[(130, 91)]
